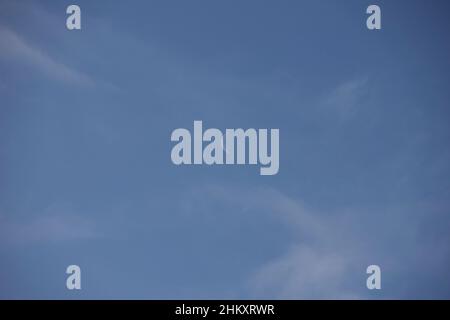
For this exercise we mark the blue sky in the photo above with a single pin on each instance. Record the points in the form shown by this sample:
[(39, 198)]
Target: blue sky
[(86, 176)]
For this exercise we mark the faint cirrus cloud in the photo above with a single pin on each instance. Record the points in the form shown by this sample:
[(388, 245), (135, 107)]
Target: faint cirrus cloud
[(48, 227), (13, 47), (346, 98)]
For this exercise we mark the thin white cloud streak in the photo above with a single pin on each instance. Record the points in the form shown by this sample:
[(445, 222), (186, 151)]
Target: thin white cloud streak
[(346, 98), (45, 228), (13, 47)]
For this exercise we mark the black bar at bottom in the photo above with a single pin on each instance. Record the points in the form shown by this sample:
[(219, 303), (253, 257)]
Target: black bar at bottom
[(223, 309)]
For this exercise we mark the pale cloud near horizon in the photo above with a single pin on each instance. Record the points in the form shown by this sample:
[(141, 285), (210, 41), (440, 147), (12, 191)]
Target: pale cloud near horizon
[(329, 252), (304, 272), (313, 266)]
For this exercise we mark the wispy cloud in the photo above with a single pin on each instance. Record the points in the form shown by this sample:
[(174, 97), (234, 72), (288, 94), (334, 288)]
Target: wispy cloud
[(305, 272), (15, 48), (346, 98), (48, 227), (329, 251), (315, 265)]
